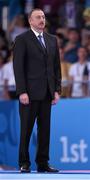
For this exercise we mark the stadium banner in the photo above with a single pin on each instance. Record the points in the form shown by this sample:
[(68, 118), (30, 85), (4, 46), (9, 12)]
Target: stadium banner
[(69, 139)]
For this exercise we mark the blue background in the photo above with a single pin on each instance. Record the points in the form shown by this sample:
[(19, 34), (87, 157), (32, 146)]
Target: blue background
[(70, 135)]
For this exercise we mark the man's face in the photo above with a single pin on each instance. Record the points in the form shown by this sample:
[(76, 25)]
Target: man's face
[(82, 53), (37, 20), (73, 36)]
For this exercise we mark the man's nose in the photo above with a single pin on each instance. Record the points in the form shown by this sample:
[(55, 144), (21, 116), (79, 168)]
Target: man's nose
[(42, 19)]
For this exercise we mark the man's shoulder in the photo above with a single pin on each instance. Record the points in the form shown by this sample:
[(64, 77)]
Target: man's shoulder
[(51, 36)]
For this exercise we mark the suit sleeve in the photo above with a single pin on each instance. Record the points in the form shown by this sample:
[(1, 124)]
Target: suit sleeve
[(57, 69), (19, 65)]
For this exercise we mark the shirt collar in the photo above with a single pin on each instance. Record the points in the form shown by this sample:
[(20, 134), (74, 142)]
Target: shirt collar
[(37, 33)]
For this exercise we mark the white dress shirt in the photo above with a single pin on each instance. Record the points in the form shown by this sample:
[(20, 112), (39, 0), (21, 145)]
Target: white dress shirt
[(37, 34)]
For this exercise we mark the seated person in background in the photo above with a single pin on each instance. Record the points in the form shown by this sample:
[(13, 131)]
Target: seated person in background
[(16, 27), (9, 80), (77, 76), (72, 45), (70, 14)]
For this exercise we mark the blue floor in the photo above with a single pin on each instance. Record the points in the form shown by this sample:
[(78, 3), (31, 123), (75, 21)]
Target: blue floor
[(16, 175)]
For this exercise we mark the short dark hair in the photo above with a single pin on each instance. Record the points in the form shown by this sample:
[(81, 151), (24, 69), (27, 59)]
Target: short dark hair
[(60, 35), (77, 30), (36, 9), (83, 47)]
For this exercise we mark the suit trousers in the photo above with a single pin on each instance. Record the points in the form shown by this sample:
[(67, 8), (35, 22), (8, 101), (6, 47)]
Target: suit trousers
[(39, 110)]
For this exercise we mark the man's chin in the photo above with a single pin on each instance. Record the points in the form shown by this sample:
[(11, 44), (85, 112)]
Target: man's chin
[(41, 27)]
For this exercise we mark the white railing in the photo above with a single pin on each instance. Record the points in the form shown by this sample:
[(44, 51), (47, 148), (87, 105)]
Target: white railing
[(65, 84)]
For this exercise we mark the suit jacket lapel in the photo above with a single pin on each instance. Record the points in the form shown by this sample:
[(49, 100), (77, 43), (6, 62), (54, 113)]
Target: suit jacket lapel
[(46, 42), (36, 41)]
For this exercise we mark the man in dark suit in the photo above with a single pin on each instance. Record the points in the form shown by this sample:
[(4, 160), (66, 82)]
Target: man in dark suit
[(38, 84)]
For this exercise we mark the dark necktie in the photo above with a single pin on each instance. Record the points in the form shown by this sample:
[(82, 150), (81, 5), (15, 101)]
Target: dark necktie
[(41, 42)]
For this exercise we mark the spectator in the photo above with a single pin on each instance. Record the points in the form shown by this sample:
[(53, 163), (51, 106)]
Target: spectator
[(17, 27), (9, 80), (77, 74), (70, 14), (72, 45)]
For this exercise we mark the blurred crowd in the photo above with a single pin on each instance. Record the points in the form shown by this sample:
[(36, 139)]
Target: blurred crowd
[(69, 20)]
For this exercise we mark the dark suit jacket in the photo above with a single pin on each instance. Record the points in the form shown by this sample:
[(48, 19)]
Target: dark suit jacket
[(35, 67)]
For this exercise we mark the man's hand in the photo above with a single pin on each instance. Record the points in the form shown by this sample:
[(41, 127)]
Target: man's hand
[(56, 98), (24, 98)]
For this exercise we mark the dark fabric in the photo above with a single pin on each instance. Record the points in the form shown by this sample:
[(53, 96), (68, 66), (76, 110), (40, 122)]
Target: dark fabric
[(86, 71), (28, 113), (37, 73), (34, 66)]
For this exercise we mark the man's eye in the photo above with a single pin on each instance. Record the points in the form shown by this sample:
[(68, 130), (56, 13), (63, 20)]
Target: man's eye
[(39, 17)]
